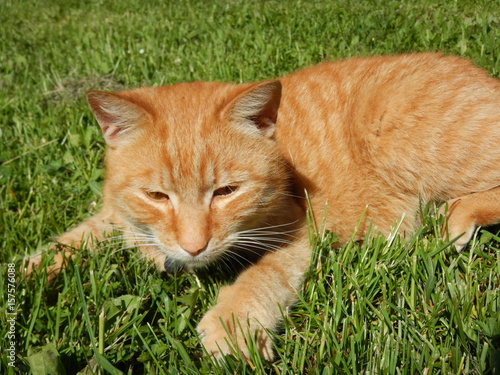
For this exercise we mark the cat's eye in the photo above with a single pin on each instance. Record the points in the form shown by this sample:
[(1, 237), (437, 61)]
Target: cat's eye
[(157, 195), (224, 191)]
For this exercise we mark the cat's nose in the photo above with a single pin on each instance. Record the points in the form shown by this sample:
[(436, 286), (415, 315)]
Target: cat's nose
[(194, 246)]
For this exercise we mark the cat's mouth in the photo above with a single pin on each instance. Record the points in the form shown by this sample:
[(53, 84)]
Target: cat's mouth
[(176, 264)]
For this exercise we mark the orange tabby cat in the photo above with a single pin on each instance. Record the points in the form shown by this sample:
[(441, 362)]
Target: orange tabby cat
[(203, 171)]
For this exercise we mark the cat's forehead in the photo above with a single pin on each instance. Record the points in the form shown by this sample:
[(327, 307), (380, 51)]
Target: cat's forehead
[(194, 96), (190, 122), (187, 108), (203, 159), (190, 141)]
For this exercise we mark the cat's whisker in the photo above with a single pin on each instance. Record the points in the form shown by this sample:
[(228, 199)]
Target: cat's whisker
[(125, 248), (266, 247), (268, 235), (288, 240), (112, 239), (135, 230), (267, 239), (247, 245), (271, 236), (291, 195), (247, 248), (236, 256), (232, 256), (226, 263), (264, 230), (273, 227), (149, 262)]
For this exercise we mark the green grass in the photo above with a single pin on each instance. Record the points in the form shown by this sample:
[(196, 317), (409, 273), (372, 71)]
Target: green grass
[(383, 307)]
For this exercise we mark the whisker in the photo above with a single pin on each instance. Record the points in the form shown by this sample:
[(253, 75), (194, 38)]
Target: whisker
[(262, 247), (266, 239), (271, 227), (235, 256)]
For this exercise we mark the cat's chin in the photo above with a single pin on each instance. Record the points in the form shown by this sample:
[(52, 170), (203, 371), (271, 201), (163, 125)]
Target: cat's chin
[(173, 266)]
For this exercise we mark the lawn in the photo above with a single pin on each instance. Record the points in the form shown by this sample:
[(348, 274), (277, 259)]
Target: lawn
[(384, 306)]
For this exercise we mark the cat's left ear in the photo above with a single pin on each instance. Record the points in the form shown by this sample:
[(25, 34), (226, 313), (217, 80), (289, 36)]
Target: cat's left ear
[(256, 109)]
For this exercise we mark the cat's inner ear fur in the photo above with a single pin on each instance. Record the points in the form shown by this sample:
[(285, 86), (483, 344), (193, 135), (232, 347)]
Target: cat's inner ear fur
[(115, 114), (256, 109)]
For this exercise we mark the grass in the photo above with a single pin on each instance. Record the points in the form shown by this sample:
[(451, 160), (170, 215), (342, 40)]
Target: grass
[(381, 307)]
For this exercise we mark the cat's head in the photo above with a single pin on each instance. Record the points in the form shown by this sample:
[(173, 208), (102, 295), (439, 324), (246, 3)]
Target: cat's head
[(193, 169)]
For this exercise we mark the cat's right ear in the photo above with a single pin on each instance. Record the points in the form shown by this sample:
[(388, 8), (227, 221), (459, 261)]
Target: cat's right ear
[(115, 114)]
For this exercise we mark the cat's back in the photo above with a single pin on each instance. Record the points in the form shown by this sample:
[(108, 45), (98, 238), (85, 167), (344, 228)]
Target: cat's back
[(417, 120)]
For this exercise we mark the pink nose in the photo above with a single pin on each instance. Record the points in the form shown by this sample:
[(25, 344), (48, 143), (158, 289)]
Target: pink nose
[(193, 247)]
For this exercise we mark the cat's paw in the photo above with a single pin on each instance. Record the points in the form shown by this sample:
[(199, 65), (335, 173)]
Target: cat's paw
[(459, 224), (59, 261), (31, 263), (224, 331)]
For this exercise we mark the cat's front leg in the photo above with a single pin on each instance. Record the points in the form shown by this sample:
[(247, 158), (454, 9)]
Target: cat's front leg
[(254, 303), (87, 233)]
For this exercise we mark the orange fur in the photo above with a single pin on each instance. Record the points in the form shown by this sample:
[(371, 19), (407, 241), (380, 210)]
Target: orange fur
[(199, 171)]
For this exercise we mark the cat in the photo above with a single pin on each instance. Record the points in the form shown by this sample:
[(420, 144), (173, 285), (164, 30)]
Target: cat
[(204, 171)]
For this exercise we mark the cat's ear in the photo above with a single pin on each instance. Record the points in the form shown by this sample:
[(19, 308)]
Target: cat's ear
[(256, 109), (115, 114)]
